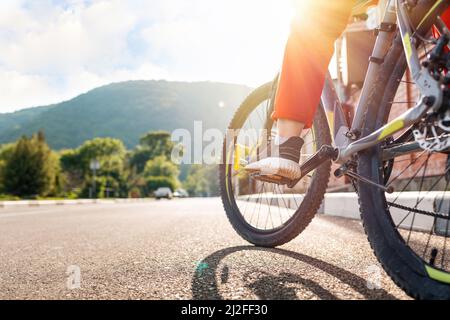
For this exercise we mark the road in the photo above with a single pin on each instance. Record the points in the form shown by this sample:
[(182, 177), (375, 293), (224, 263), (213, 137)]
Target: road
[(180, 249)]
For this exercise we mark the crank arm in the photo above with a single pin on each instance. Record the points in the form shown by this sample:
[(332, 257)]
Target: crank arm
[(326, 153)]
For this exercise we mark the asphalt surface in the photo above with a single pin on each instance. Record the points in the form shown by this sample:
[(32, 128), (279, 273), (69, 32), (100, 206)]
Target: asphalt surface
[(180, 249)]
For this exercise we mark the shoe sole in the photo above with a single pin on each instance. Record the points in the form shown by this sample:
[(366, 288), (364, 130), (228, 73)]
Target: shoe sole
[(284, 171)]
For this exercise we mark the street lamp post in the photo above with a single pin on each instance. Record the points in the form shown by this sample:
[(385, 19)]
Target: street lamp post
[(94, 166)]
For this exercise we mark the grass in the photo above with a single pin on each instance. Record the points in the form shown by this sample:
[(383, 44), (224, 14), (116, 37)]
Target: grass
[(5, 197)]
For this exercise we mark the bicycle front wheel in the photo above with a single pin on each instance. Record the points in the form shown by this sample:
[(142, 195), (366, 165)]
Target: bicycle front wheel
[(408, 230)]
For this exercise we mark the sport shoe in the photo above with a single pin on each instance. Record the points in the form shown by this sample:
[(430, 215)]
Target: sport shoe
[(283, 160)]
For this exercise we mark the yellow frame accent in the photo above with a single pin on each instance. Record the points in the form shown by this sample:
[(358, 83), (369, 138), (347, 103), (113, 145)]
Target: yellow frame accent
[(394, 126), (408, 46), (239, 148), (438, 274)]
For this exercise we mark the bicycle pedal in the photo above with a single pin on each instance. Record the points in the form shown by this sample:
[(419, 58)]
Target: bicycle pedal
[(272, 178)]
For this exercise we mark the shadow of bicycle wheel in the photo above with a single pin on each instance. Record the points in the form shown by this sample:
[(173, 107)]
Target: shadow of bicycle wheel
[(206, 287)]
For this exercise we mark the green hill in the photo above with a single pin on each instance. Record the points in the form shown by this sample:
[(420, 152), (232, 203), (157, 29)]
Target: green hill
[(126, 111)]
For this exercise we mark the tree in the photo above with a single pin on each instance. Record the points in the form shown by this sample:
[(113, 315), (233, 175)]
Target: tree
[(111, 155), (161, 167), (136, 184), (5, 153), (73, 172), (109, 152), (31, 169), (202, 181), (152, 145), (159, 142), (161, 172)]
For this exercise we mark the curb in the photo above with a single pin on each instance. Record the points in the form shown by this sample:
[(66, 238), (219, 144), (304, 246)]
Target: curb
[(38, 203), (345, 205)]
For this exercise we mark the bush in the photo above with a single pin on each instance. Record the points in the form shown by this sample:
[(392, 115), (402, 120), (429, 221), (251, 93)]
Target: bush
[(135, 193), (101, 186), (153, 183)]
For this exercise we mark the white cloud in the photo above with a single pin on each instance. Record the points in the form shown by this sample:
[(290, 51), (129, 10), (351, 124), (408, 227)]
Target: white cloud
[(53, 50), (16, 89)]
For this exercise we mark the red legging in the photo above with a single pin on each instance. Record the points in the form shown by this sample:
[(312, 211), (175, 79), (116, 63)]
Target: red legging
[(317, 25)]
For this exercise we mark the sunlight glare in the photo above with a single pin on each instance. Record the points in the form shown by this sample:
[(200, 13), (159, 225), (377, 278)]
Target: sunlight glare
[(262, 28)]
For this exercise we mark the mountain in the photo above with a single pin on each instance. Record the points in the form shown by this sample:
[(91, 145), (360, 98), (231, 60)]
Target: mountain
[(126, 111)]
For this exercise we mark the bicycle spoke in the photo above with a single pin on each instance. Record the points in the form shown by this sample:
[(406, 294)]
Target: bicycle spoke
[(260, 205), (269, 209), (432, 187), (417, 202), (285, 204), (430, 234), (254, 208), (404, 170)]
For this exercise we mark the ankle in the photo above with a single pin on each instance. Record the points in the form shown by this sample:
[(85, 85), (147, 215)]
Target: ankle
[(291, 149), (280, 140), (289, 128)]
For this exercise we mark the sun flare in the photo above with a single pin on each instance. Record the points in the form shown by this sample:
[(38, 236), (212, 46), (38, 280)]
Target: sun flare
[(261, 27)]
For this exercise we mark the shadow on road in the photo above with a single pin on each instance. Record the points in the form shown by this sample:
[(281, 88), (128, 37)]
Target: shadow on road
[(267, 286)]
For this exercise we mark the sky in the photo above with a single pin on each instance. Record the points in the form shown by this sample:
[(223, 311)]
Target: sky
[(54, 50)]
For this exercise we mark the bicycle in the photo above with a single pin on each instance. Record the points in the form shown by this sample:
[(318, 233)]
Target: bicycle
[(381, 155)]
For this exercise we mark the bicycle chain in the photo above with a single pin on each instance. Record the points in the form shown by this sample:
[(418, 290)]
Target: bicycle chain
[(426, 213), (402, 207)]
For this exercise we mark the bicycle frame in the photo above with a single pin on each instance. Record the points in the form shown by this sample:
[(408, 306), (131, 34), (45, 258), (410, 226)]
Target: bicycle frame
[(346, 136)]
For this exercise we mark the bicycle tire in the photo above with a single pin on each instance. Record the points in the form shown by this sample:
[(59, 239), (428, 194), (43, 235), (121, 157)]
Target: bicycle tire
[(313, 198), (399, 261)]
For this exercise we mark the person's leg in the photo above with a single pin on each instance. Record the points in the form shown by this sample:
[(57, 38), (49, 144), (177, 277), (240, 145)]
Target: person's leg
[(308, 53), (289, 128)]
